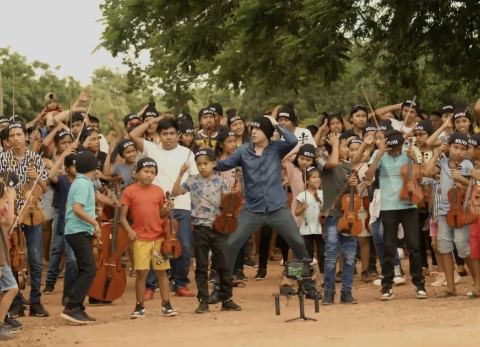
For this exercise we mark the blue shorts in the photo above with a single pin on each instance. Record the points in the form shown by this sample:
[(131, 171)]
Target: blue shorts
[(7, 281), (448, 236)]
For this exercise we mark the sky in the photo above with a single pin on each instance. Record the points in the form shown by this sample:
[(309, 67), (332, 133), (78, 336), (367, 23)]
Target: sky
[(57, 32)]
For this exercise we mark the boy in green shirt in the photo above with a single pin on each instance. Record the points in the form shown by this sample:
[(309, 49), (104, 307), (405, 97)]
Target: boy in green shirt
[(80, 225)]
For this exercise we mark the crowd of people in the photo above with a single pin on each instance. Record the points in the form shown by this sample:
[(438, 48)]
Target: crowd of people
[(366, 187)]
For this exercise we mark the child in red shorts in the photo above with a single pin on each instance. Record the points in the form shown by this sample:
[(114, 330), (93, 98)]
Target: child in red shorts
[(144, 202)]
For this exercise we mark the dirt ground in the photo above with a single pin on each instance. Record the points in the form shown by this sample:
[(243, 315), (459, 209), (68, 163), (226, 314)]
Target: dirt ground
[(404, 321)]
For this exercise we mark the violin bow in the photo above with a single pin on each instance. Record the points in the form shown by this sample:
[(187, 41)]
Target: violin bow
[(370, 107), (25, 204), (86, 117), (305, 190)]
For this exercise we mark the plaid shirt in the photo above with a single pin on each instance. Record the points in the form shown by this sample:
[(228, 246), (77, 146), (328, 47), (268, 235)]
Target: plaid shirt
[(8, 162)]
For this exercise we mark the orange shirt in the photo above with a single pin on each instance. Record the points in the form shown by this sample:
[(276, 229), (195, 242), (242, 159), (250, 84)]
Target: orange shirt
[(144, 204)]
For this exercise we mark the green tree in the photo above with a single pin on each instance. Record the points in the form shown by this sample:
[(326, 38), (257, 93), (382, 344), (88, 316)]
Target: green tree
[(25, 84), (427, 48)]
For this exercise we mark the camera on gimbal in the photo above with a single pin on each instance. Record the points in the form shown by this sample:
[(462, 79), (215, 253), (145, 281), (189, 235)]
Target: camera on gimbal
[(302, 271), (297, 269)]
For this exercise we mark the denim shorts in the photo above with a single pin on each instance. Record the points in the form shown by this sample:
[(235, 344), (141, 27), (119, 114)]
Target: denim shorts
[(7, 281), (448, 236)]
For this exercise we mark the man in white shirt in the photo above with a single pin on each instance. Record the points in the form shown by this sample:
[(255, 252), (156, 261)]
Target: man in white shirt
[(287, 118), (170, 156)]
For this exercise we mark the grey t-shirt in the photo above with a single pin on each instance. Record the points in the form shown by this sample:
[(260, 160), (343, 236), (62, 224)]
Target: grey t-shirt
[(125, 172), (333, 181)]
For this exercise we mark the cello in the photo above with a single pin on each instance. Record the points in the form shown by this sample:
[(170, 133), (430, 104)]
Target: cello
[(171, 246), (111, 279), (226, 222)]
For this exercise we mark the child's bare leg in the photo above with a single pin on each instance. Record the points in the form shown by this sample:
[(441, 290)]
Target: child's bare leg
[(447, 262), (5, 302), (162, 279), (140, 285), (364, 252)]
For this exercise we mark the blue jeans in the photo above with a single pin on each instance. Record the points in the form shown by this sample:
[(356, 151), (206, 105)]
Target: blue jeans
[(377, 235), (58, 247), (334, 242), (181, 266), (33, 236)]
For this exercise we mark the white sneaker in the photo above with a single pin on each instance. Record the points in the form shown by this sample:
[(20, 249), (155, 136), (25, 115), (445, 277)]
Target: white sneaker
[(399, 276), (314, 262), (377, 282), (439, 280), (401, 254)]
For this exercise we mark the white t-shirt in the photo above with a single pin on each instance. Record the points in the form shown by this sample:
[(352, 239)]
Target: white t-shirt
[(306, 135), (169, 163), (312, 225), (103, 144)]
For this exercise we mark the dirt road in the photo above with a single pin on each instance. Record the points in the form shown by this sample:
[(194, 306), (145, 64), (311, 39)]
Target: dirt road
[(404, 321)]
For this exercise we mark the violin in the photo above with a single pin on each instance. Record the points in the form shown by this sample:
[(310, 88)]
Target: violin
[(111, 279), (456, 216), (18, 246), (226, 222), (411, 190), (171, 246), (33, 214), (350, 223)]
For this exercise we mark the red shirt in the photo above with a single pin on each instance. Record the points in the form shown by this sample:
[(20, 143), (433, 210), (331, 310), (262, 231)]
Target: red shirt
[(144, 204)]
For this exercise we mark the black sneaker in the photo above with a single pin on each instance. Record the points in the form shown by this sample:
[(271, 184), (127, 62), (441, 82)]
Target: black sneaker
[(261, 275), (138, 312), (17, 310), (74, 315), (12, 324), (202, 307), (421, 292), (214, 297), (87, 317), (250, 262), (168, 310), (65, 300), (387, 293), (212, 275), (240, 276), (229, 305), (49, 289), (37, 310), (328, 298), (347, 298)]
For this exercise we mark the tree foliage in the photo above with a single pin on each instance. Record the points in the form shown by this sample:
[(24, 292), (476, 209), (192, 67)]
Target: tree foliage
[(280, 47)]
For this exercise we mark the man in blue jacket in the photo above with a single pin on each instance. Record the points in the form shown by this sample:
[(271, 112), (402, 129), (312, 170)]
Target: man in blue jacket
[(265, 198)]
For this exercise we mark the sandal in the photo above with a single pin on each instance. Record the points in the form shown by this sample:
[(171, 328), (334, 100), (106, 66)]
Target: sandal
[(472, 295), (448, 294)]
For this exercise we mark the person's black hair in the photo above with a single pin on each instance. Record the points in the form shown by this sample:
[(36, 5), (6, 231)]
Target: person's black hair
[(167, 123), (94, 119), (332, 116), (313, 129)]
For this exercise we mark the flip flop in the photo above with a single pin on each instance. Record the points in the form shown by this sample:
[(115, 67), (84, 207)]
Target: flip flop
[(472, 295), (448, 294)]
